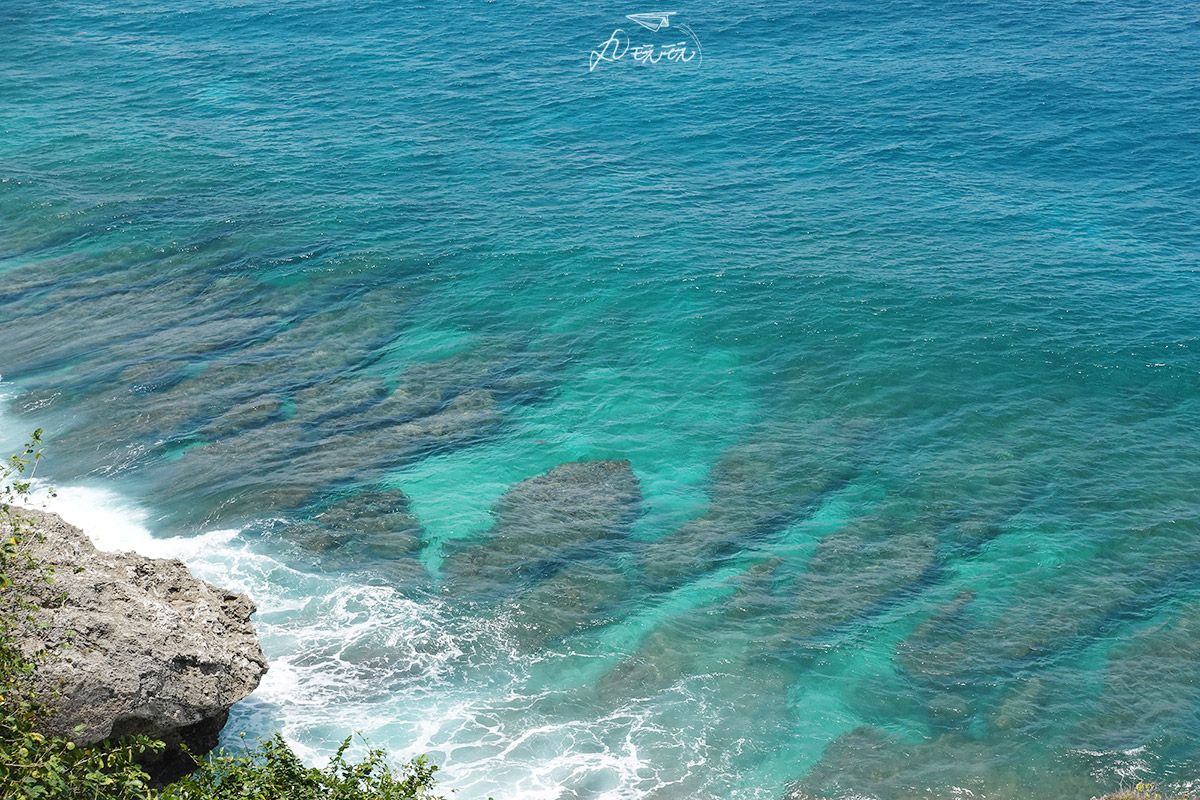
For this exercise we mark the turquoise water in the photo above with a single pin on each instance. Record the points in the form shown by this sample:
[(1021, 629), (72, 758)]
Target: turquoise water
[(892, 311)]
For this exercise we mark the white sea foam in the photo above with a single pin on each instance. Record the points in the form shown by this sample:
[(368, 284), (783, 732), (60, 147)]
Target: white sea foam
[(348, 656)]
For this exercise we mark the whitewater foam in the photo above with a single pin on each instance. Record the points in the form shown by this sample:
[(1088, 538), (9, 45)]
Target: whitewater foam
[(363, 658)]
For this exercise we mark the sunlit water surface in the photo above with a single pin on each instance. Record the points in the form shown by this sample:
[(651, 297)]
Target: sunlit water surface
[(882, 321)]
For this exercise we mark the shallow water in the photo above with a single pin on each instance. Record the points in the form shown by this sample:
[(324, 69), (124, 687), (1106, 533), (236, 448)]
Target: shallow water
[(891, 313)]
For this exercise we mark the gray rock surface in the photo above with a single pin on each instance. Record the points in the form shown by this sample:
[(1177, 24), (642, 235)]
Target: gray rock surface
[(136, 645)]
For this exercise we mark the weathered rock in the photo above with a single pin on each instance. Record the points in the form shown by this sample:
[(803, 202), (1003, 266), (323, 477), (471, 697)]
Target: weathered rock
[(136, 645)]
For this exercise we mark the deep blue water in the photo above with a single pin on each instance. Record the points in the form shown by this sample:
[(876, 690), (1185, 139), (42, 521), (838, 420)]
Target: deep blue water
[(893, 311)]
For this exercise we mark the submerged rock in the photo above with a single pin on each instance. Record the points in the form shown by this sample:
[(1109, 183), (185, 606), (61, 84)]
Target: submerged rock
[(870, 761), (468, 417), (867, 563), (581, 595), (552, 553), (250, 414), (135, 645), (758, 488), (297, 459), (372, 530), (545, 522), (153, 375)]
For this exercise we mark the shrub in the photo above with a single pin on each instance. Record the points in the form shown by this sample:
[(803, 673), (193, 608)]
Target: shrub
[(273, 772), (1144, 791)]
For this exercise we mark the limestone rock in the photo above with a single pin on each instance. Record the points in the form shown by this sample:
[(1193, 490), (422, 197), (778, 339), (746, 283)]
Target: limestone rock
[(136, 645)]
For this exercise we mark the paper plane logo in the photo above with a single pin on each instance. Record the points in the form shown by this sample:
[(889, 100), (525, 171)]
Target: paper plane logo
[(652, 20)]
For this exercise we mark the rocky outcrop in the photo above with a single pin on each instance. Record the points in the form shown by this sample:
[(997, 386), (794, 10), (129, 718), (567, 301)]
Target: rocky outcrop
[(133, 645)]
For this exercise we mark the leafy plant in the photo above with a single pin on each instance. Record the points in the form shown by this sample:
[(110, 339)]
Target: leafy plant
[(1144, 790), (272, 771)]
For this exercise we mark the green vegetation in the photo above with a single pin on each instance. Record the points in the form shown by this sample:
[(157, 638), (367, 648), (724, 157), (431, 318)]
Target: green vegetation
[(36, 766), (273, 772), (1144, 791)]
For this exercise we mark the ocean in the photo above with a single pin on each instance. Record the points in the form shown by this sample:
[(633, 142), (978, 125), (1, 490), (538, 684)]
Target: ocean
[(750, 400)]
